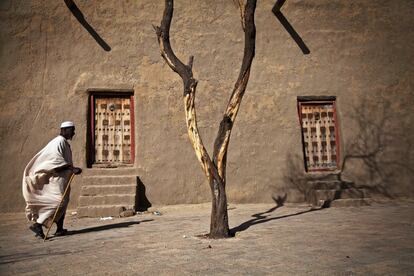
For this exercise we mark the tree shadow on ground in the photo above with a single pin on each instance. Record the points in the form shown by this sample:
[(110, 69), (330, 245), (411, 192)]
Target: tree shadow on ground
[(106, 227), (264, 216)]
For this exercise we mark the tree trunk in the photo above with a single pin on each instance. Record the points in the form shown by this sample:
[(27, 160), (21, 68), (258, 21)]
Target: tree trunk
[(214, 170), (220, 226)]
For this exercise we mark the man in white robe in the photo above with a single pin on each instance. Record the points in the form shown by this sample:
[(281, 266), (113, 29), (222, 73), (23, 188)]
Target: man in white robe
[(45, 179)]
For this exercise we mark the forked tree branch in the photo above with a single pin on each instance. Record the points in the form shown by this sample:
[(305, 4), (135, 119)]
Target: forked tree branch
[(190, 85), (223, 136), (241, 6), (217, 169), (163, 35)]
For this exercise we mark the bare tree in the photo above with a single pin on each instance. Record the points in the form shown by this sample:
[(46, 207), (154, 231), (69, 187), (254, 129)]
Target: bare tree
[(214, 168)]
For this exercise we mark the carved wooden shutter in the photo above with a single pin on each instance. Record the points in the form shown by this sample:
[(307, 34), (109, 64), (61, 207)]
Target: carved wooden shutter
[(112, 130), (319, 131)]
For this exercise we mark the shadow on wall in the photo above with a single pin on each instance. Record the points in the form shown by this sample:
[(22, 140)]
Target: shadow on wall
[(382, 145), (377, 158), (79, 16), (288, 27), (295, 177), (141, 201)]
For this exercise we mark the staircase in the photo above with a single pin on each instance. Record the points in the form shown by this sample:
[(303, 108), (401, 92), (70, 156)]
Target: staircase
[(107, 192), (336, 193)]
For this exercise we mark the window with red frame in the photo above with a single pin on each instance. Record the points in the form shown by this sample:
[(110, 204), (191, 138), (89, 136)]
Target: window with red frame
[(111, 129), (319, 127)]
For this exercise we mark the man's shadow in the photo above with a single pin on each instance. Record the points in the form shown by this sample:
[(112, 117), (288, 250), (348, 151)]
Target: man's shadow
[(104, 227), (264, 216)]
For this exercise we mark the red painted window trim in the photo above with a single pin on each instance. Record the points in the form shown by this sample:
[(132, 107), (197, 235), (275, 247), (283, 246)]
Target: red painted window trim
[(132, 114), (338, 141), (92, 122)]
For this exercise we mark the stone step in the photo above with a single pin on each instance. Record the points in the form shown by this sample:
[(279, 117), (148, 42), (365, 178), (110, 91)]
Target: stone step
[(339, 194), (123, 189), (351, 202), (94, 211), (318, 196), (114, 199), (109, 171), (109, 180), (325, 185), (295, 196), (352, 193), (330, 184), (324, 176)]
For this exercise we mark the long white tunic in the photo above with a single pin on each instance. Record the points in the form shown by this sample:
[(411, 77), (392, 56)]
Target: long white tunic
[(43, 188)]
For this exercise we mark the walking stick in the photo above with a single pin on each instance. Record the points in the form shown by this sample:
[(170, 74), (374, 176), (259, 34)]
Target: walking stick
[(57, 209)]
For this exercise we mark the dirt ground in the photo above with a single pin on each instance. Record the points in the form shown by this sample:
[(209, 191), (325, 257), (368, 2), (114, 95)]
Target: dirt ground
[(295, 240)]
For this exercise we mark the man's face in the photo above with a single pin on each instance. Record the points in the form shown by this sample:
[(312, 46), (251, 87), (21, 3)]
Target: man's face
[(68, 132), (72, 132)]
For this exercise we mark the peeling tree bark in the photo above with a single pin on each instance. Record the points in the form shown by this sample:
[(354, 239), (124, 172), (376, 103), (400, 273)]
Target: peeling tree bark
[(215, 169)]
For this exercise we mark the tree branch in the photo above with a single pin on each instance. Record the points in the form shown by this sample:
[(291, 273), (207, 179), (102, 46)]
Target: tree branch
[(190, 85), (226, 125)]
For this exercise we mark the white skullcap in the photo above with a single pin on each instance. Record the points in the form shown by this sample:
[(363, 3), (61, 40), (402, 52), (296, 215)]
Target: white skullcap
[(67, 124)]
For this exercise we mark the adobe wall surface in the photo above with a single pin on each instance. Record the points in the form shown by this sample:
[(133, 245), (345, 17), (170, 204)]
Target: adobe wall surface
[(361, 52)]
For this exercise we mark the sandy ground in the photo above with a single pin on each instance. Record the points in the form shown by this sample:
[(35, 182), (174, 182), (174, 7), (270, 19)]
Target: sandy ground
[(372, 240)]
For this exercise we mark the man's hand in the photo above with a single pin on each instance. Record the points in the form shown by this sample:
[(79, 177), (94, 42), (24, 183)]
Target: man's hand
[(77, 170)]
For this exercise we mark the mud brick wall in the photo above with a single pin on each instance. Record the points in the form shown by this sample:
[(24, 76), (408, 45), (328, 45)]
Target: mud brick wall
[(361, 52)]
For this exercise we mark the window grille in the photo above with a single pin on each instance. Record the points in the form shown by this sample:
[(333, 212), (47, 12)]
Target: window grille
[(319, 134)]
